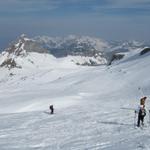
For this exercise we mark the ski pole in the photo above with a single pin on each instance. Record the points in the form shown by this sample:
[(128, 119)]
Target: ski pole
[(149, 117), (135, 119)]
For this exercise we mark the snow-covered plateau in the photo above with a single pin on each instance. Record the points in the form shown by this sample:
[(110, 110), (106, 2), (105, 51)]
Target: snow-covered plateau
[(93, 105)]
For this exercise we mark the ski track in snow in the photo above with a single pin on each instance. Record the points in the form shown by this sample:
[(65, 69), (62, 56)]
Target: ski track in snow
[(72, 128), (88, 104)]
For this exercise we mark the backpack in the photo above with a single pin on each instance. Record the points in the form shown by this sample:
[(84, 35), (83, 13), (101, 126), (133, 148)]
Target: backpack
[(142, 112)]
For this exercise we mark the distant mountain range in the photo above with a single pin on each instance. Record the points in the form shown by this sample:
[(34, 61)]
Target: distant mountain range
[(82, 50)]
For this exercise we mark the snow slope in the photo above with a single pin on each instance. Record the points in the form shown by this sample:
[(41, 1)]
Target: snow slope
[(93, 105)]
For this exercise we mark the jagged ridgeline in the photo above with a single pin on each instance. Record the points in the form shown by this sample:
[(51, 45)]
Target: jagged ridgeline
[(73, 45), (81, 50), (23, 45)]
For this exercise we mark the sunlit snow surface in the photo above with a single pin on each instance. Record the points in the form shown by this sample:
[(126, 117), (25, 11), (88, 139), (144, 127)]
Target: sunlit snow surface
[(93, 106)]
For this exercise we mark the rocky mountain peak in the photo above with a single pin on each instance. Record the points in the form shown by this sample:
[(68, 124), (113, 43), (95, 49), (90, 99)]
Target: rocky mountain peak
[(23, 45), (20, 48), (82, 50)]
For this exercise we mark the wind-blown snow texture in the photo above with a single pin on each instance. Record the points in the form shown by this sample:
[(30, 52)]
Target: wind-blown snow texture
[(93, 105)]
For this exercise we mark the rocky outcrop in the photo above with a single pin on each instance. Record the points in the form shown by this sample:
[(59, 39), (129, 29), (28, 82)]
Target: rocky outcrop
[(24, 45), (9, 63), (114, 57), (144, 51)]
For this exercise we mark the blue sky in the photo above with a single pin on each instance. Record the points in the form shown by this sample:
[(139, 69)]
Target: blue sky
[(107, 19)]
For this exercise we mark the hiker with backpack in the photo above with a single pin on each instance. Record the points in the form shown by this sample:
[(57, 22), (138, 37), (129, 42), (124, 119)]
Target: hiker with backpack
[(141, 111), (141, 115)]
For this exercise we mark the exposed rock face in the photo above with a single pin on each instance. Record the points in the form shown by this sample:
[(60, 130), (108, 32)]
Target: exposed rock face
[(24, 45), (144, 51), (73, 45), (83, 50), (20, 48), (116, 56), (90, 50), (10, 63)]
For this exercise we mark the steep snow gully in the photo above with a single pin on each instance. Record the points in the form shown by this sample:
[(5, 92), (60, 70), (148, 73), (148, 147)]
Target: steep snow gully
[(94, 106)]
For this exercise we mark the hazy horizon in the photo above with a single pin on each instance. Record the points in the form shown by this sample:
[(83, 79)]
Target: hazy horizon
[(106, 19)]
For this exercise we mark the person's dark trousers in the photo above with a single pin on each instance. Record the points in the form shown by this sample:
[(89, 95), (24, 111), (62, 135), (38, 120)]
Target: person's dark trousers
[(140, 118), (52, 111), (138, 123)]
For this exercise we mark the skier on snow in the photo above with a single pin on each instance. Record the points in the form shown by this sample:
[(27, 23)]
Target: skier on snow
[(51, 109)]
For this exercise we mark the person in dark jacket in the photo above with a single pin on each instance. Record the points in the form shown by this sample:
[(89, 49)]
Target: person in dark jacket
[(141, 115), (51, 109)]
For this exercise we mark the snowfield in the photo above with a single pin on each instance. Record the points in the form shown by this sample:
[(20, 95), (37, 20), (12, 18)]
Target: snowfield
[(94, 106)]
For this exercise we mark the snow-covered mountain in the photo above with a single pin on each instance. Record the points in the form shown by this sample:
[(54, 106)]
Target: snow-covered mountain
[(73, 45), (79, 50), (93, 106), (20, 50), (125, 46)]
